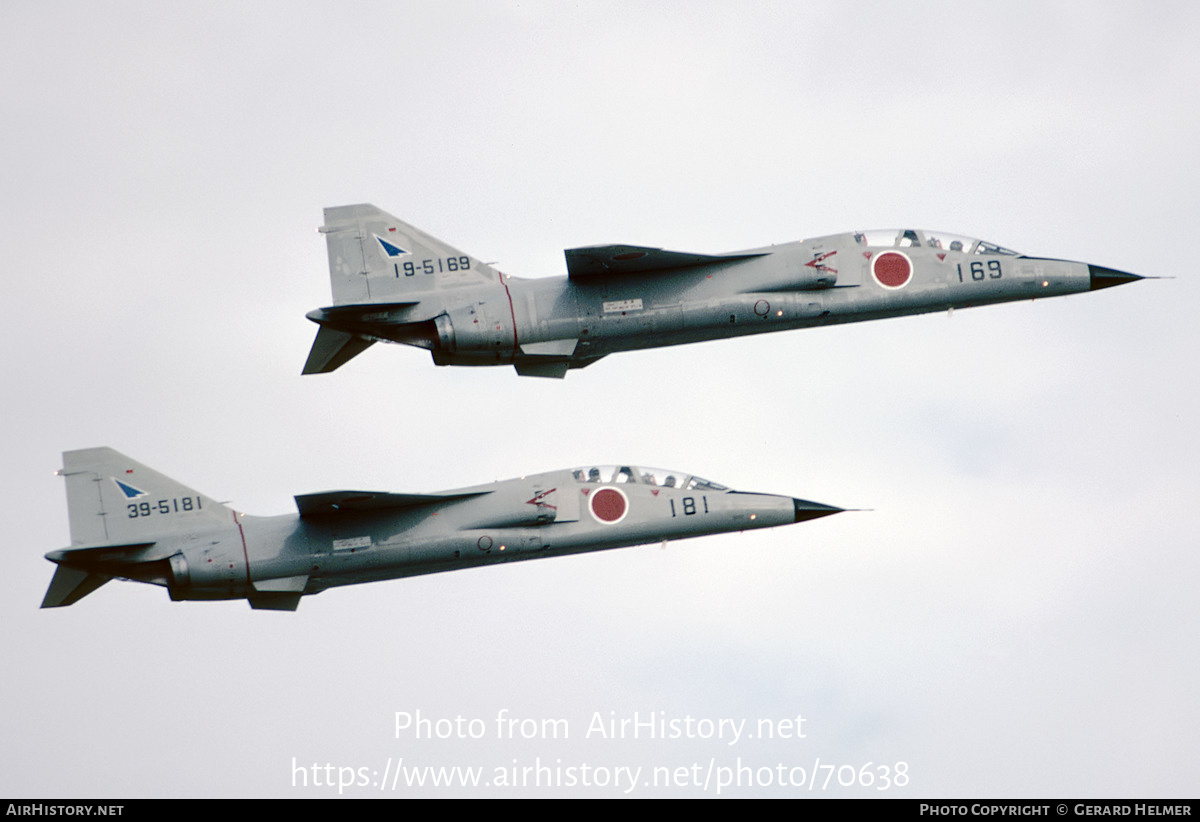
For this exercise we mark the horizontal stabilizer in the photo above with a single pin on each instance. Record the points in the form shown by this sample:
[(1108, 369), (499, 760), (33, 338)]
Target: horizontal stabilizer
[(601, 260), (96, 556), (82, 569), (70, 585), (364, 313), (332, 349), (330, 503)]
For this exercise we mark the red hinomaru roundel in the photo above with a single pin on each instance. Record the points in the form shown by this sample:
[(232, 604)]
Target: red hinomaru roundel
[(892, 269), (608, 505)]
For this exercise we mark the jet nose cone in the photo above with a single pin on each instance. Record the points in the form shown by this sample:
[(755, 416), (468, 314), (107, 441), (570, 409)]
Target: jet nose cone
[(1108, 277), (806, 510)]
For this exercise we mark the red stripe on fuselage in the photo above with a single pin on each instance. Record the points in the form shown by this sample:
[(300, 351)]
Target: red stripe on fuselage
[(245, 552), (512, 312)]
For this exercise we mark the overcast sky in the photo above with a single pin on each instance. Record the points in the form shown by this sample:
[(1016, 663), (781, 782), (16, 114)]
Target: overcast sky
[(1015, 616)]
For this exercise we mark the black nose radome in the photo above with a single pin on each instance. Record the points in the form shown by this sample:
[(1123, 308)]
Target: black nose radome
[(1108, 277), (806, 510)]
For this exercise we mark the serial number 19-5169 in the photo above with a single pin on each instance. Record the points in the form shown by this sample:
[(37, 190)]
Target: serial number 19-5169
[(436, 265), (163, 506)]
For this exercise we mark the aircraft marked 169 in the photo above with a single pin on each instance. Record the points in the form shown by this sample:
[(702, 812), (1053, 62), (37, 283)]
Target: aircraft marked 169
[(819, 263), (892, 269), (467, 313), (977, 270)]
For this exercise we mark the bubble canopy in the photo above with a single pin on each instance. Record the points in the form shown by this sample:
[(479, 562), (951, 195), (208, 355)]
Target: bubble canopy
[(635, 475), (943, 240)]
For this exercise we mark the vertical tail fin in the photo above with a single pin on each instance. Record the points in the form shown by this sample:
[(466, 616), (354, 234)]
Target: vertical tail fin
[(373, 257), (113, 499)]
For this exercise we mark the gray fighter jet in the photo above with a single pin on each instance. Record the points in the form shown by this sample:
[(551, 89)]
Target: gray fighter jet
[(394, 283), (131, 522)]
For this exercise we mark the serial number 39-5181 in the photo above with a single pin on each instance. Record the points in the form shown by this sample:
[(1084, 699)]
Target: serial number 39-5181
[(163, 506)]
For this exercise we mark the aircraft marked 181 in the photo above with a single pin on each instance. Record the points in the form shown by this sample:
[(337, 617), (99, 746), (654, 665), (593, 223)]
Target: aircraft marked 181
[(199, 549)]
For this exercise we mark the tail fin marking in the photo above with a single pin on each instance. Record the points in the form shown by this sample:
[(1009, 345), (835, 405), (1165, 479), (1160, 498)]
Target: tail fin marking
[(114, 499), (374, 257)]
